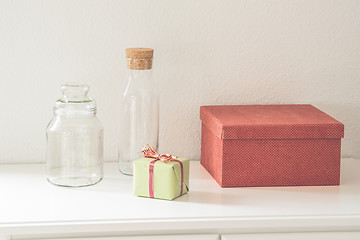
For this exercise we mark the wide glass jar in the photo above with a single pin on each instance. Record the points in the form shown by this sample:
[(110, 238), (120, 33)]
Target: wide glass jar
[(74, 140)]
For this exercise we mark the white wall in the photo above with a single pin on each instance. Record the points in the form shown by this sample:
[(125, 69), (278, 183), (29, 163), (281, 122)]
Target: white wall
[(207, 52)]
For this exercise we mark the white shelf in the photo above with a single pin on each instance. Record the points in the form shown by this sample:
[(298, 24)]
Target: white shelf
[(30, 205)]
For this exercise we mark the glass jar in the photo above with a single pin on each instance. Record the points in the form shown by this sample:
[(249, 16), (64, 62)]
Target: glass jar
[(140, 109), (74, 140)]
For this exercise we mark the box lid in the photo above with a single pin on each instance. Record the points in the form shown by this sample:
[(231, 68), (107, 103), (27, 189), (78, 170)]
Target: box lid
[(270, 122)]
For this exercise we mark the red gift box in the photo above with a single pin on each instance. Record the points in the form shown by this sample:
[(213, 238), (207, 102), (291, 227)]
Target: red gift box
[(270, 145)]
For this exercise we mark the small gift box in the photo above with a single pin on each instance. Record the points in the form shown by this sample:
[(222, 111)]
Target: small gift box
[(160, 176)]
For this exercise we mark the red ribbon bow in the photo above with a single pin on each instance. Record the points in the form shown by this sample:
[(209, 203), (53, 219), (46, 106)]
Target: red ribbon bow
[(150, 152)]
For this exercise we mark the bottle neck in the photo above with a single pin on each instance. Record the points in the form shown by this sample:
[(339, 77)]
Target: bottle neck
[(141, 79)]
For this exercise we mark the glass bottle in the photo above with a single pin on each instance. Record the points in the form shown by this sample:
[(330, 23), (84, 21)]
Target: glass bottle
[(74, 140), (140, 109)]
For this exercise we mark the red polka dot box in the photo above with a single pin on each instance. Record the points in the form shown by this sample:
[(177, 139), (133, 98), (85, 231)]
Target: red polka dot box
[(270, 145)]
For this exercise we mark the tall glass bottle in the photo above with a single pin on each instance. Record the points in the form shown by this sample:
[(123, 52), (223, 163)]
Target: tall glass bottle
[(140, 115), (74, 140)]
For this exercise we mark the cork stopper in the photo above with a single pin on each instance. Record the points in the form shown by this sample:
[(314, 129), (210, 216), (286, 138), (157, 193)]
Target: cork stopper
[(139, 58)]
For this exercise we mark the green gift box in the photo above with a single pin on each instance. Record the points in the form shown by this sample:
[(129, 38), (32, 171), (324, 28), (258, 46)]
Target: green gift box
[(166, 179)]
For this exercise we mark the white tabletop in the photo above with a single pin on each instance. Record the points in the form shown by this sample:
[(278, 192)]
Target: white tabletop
[(30, 204)]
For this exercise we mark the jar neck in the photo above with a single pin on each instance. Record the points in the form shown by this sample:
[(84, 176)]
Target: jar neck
[(69, 113), (75, 100)]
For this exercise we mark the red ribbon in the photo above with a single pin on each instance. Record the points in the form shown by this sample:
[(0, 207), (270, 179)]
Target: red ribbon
[(150, 152)]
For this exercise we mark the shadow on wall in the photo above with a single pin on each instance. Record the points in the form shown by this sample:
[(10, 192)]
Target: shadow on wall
[(348, 115)]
